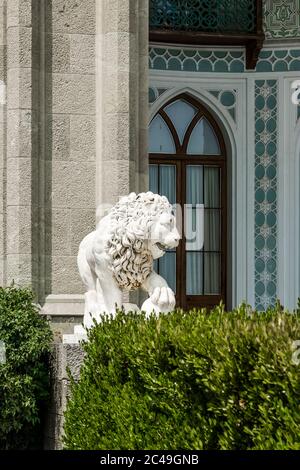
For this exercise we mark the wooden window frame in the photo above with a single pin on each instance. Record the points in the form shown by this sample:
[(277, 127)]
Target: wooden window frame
[(181, 159)]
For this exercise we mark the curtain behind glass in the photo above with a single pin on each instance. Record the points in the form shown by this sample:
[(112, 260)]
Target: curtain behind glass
[(162, 180), (203, 266), (167, 182), (212, 230), (193, 226), (153, 178)]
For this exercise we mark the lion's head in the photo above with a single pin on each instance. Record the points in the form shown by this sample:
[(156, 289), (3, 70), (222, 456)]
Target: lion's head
[(143, 228)]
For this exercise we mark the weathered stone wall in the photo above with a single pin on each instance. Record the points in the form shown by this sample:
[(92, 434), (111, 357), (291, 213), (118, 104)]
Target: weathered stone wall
[(122, 98), (70, 137), (121, 101), (20, 164), (73, 134)]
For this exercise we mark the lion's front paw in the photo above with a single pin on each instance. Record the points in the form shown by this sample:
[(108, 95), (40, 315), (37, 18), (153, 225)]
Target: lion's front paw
[(164, 298)]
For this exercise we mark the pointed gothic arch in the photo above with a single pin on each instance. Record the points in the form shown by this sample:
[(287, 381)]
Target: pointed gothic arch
[(188, 163)]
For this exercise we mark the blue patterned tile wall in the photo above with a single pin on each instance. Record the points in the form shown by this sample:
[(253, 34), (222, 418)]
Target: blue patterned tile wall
[(278, 60), (196, 60), (281, 18), (202, 60), (266, 121), (227, 98)]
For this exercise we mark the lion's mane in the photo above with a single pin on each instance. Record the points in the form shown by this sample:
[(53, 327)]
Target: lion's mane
[(131, 220)]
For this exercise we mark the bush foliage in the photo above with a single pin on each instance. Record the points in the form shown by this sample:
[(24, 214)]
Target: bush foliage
[(191, 380), (24, 378)]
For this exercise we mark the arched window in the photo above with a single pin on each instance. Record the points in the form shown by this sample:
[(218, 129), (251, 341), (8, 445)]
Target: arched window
[(188, 165)]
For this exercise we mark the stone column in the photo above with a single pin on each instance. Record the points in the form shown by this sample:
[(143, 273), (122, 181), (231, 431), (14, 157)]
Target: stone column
[(121, 102), (122, 98), (22, 143), (70, 167)]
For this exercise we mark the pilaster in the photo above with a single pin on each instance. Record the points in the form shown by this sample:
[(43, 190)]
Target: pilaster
[(22, 142)]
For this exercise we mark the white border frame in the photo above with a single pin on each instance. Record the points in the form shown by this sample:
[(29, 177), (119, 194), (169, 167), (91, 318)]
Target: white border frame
[(289, 197)]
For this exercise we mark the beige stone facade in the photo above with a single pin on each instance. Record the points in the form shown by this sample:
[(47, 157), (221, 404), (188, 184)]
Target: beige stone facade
[(73, 132)]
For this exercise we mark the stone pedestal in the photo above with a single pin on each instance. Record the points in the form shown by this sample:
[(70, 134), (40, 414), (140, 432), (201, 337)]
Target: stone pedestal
[(63, 357)]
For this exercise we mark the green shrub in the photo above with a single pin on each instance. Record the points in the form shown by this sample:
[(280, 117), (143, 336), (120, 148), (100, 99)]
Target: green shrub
[(188, 381), (24, 378)]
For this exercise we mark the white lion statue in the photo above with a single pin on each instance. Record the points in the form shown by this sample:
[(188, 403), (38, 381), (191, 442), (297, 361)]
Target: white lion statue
[(119, 256)]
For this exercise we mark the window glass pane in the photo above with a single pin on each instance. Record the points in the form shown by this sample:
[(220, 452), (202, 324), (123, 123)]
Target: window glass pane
[(194, 217), (162, 180), (212, 273), (203, 140), (181, 113), (212, 230), (153, 178), (194, 227), (194, 184), (194, 273), (167, 182), (211, 186), (167, 269), (160, 137)]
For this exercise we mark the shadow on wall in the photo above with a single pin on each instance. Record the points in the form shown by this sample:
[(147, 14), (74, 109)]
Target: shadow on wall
[(48, 52), (41, 185)]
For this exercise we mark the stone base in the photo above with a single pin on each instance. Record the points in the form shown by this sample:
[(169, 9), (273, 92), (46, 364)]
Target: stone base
[(79, 333), (63, 357), (63, 304), (64, 312)]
